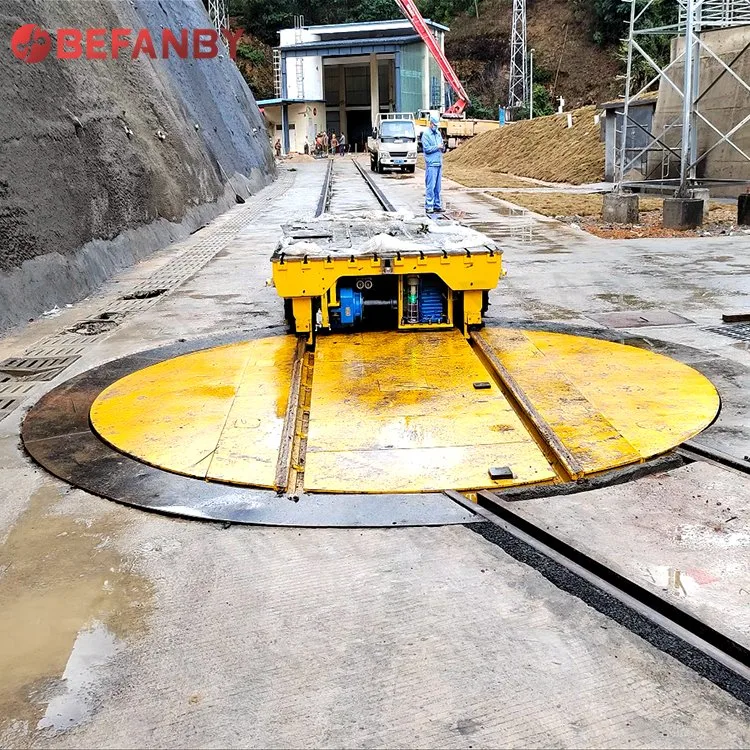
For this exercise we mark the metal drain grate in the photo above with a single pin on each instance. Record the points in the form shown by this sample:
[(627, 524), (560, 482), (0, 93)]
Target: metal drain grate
[(7, 405), (14, 389), (34, 368), (739, 331)]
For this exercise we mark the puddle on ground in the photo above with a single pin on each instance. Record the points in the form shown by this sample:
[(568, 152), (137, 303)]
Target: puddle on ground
[(75, 702), (68, 602)]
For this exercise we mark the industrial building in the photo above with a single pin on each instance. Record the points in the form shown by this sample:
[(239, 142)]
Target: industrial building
[(339, 77)]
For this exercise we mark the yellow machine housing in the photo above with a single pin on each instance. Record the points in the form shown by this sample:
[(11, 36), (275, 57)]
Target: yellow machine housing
[(339, 271)]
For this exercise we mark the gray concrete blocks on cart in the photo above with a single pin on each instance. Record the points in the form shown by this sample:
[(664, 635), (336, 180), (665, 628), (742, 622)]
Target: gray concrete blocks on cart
[(682, 213), (620, 208)]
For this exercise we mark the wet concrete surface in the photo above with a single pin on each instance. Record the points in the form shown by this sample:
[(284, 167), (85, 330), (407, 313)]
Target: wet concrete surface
[(68, 603), (125, 628)]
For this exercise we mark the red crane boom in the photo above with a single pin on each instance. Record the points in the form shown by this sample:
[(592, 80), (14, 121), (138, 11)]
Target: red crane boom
[(410, 10)]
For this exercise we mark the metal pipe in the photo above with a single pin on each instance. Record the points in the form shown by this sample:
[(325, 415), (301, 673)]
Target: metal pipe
[(694, 92), (687, 96), (412, 299), (531, 84), (625, 115)]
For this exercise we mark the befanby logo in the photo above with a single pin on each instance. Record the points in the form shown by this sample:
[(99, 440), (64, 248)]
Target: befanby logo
[(32, 43)]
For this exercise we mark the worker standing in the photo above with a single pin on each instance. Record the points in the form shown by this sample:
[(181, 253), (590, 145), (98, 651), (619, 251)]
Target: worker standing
[(342, 143), (432, 147)]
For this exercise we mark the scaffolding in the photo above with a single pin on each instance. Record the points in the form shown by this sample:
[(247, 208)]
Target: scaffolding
[(518, 94), (217, 12), (673, 149)]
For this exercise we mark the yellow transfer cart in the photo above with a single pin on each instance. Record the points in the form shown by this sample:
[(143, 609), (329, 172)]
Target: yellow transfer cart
[(385, 270)]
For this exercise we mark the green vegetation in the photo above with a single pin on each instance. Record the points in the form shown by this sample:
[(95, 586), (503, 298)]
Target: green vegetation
[(609, 26), (542, 104), (251, 54), (263, 19)]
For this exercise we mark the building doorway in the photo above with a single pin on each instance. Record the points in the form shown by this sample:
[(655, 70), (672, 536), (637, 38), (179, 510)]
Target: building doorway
[(359, 128)]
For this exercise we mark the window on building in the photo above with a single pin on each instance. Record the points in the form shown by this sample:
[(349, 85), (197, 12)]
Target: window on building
[(332, 79), (357, 86)]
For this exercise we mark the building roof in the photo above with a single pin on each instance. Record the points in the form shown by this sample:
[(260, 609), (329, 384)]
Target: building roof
[(367, 29), (369, 26), (649, 97), (278, 101)]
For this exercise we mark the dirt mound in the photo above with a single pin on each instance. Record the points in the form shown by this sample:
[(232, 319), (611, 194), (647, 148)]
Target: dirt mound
[(566, 60), (544, 148)]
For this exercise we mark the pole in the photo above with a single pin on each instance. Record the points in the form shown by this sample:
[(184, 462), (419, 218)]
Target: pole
[(531, 84), (624, 136), (695, 87), (687, 97)]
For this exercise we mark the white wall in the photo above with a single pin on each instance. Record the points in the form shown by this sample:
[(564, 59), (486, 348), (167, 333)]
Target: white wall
[(312, 67), (308, 119)]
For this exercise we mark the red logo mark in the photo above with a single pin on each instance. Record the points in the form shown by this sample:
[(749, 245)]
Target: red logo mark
[(30, 43)]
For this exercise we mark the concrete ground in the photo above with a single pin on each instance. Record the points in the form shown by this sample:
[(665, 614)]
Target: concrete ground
[(122, 628)]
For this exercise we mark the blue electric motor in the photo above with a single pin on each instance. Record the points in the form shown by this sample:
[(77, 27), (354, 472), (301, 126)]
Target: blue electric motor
[(350, 307)]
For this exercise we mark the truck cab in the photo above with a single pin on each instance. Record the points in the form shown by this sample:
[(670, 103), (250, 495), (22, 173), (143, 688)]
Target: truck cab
[(393, 144)]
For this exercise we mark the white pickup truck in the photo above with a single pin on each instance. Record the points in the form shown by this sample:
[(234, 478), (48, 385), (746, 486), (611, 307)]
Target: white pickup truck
[(393, 144)]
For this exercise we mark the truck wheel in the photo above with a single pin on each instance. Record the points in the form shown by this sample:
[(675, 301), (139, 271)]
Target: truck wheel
[(372, 164), (411, 169), (380, 167)]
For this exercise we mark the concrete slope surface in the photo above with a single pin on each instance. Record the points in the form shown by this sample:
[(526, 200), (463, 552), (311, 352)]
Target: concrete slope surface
[(104, 161)]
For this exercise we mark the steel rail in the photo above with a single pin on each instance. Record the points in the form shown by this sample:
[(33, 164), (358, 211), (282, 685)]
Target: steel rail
[(725, 661), (376, 191), (565, 463), (697, 452), (325, 193)]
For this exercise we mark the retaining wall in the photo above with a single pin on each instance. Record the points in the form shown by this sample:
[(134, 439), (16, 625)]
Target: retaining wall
[(104, 161)]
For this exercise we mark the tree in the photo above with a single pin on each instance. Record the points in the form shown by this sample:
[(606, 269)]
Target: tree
[(542, 104)]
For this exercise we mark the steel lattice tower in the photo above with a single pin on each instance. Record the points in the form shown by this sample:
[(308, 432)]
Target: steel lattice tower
[(217, 11), (519, 87), (672, 151)]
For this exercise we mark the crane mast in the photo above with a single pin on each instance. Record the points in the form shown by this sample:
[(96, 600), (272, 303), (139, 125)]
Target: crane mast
[(410, 10)]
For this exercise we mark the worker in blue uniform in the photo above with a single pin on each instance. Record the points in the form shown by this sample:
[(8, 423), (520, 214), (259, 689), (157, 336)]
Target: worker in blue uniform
[(432, 147)]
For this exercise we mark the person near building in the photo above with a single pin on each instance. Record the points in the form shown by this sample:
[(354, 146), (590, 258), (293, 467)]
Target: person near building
[(334, 144), (342, 144), (277, 146), (432, 147), (325, 143)]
